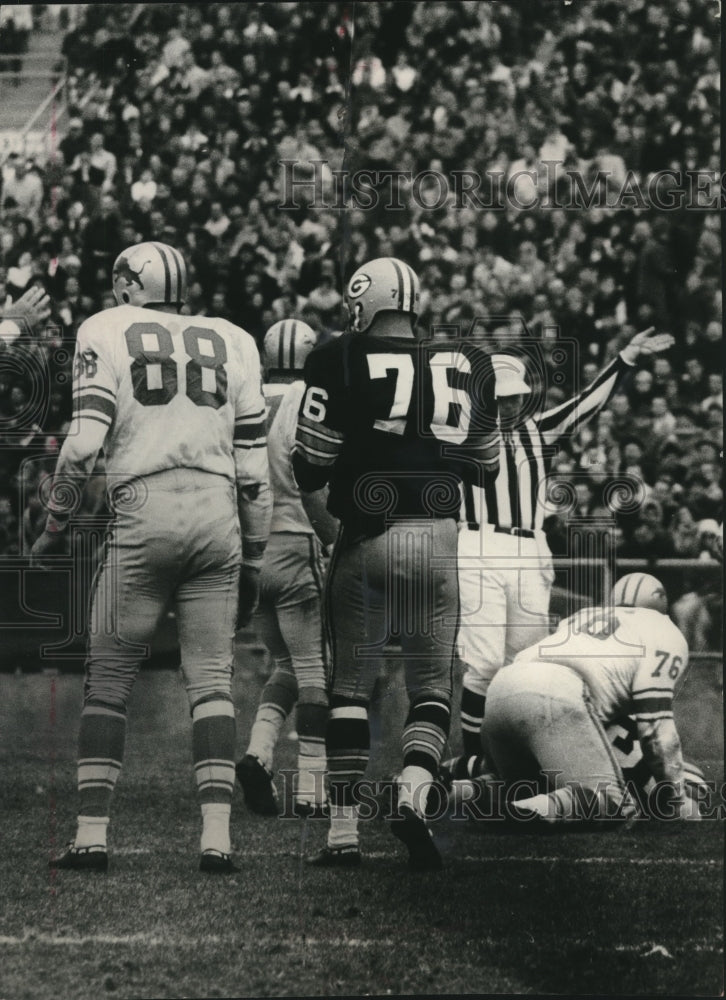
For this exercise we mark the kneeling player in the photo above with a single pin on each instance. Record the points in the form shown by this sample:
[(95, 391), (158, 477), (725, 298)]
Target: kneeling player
[(546, 712)]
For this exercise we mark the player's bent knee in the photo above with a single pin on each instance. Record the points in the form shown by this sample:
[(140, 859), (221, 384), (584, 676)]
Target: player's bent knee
[(206, 682), (109, 688)]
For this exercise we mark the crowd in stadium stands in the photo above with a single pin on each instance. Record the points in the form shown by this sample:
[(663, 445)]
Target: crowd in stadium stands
[(195, 105), (16, 23)]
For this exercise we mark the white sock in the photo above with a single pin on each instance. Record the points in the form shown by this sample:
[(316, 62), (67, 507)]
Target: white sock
[(91, 831), (215, 827), (265, 734), (343, 830), (310, 782), (413, 787), (544, 805)]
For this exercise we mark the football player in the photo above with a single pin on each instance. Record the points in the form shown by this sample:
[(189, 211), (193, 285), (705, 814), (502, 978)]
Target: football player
[(623, 738), (381, 420), (546, 712), (289, 616), (175, 401)]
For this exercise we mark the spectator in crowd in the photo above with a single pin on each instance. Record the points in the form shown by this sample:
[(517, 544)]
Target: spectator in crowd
[(184, 133), (24, 188)]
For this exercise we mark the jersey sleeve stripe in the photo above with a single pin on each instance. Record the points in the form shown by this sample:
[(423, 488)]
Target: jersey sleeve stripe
[(662, 704), (90, 401), (652, 716), (316, 431), (249, 417), (565, 417), (249, 432), (663, 689), (313, 456), (246, 445), (322, 446), (95, 389), (83, 415)]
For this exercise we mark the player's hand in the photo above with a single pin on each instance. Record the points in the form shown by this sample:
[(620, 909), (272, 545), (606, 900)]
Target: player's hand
[(249, 593), (647, 342), (50, 543), (30, 311)]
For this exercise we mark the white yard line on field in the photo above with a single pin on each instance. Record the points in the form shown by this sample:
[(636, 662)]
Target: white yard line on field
[(536, 858), (242, 855), (646, 949)]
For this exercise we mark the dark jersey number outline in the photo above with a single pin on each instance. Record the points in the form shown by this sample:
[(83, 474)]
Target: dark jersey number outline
[(663, 657), (143, 357)]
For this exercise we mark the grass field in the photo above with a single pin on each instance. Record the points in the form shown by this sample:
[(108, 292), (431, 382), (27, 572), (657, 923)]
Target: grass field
[(630, 913)]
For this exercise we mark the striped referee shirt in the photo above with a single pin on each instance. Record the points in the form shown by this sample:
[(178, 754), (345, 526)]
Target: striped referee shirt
[(514, 498)]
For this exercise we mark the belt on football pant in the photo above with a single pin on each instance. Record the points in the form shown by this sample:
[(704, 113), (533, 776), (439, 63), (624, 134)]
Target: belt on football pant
[(517, 532)]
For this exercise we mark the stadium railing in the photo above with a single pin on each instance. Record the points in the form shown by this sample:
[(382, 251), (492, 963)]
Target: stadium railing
[(44, 613)]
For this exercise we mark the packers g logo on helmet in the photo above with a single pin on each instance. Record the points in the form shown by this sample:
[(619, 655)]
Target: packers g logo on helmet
[(287, 344), (385, 284), (150, 274), (358, 284)]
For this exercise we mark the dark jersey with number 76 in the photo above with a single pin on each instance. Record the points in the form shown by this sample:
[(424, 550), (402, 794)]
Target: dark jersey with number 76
[(392, 425)]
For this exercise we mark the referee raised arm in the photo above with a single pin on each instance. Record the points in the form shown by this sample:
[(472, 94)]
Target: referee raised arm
[(505, 565)]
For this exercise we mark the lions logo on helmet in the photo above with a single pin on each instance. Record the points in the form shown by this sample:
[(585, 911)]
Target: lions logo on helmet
[(640, 590), (150, 274), (382, 285), (287, 345)]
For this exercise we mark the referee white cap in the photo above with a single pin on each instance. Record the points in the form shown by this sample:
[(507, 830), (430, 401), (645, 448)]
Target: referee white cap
[(640, 590), (510, 376)]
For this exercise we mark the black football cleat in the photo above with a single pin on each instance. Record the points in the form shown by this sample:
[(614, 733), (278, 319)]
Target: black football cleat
[(81, 859), (423, 854), (311, 810), (217, 863), (259, 792), (336, 857), (445, 773)]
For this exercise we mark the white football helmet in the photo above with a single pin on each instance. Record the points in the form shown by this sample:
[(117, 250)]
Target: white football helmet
[(287, 344), (640, 590), (150, 274), (382, 285)]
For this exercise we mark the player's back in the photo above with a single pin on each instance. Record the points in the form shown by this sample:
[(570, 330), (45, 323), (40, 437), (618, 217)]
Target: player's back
[(617, 652), (168, 386), (400, 406)]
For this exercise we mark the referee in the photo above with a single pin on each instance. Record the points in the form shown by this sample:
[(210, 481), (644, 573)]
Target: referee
[(505, 565)]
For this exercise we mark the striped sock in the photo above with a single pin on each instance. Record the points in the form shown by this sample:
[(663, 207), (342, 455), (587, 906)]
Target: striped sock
[(213, 745), (423, 742), (472, 717), (100, 753), (312, 718), (276, 702), (347, 741)]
